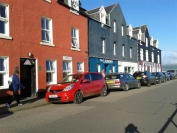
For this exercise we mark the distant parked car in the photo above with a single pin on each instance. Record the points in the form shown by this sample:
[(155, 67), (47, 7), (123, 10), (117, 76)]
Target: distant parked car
[(146, 78), (174, 73), (160, 77), (167, 77), (77, 86), (171, 75), (123, 81)]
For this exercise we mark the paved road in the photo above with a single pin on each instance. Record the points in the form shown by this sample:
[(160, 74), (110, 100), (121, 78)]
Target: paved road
[(146, 110)]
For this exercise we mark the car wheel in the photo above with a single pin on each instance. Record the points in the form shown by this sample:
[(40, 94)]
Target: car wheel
[(139, 85), (78, 97), (104, 91), (126, 88), (164, 80), (155, 82), (149, 83), (160, 81)]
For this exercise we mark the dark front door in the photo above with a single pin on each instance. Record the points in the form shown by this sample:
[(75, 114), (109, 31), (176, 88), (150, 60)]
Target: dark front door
[(28, 77)]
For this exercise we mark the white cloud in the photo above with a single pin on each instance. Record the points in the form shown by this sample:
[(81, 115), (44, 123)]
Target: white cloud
[(169, 57)]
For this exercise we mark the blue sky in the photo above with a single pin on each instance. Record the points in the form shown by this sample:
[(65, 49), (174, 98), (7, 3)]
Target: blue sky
[(159, 15)]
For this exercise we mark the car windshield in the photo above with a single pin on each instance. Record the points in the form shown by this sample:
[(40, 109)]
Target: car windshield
[(71, 79), (114, 76)]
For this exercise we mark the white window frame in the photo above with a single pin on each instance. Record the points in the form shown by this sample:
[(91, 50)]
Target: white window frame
[(48, 1), (114, 26), (48, 32), (158, 58), (130, 52), (122, 30), (123, 50), (146, 42), (103, 46), (114, 48), (75, 39), (141, 54), (80, 66), (113, 68), (98, 68), (147, 56), (5, 72), (53, 72), (152, 54), (5, 20)]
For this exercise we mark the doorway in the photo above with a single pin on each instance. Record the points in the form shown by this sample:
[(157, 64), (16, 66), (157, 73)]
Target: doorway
[(28, 77)]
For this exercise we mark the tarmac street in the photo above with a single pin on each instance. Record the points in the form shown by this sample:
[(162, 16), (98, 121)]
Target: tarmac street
[(146, 110)]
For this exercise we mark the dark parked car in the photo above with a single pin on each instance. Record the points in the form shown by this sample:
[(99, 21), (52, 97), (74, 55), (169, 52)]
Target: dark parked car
[(146, 78), (123, 81), (174, 73), (160, 77), (167, 77), (171, 75)]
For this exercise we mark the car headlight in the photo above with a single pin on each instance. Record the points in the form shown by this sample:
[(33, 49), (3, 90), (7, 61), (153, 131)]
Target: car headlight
[(48, 90), (68, 87)]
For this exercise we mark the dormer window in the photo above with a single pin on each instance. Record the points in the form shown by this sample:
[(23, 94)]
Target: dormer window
[(102, 16), (74, 4)]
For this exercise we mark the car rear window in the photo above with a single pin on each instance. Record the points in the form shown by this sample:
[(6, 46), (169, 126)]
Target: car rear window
[(115, 76), (140, 74)]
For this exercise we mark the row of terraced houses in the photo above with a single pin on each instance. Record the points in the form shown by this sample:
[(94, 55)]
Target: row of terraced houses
[(49, 39)]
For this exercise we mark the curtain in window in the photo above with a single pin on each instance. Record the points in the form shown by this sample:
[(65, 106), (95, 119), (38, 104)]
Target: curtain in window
[(79, 66), (74, 37), (66, 67), (49, 66)]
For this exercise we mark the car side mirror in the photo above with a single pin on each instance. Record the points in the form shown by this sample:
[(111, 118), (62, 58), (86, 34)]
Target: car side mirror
[(85, 81)]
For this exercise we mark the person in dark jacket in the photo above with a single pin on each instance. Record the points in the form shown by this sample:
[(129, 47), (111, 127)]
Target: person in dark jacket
[(16, 85)]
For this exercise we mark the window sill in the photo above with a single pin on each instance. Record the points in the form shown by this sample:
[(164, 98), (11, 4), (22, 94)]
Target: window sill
[(48, 1), (73, 11), (47, 44), (50, 83), (75, 49), (3, 87), (6, 37)]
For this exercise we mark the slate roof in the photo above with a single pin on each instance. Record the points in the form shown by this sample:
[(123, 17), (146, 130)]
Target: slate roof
[(107, 8), (110, 8), (143, 28)]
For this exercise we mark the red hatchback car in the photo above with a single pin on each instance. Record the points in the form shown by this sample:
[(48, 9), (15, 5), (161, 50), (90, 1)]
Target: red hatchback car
[(77, 86)]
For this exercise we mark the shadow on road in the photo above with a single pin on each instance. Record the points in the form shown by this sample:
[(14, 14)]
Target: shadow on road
[(131, 129), (6, 114), (170, 120)]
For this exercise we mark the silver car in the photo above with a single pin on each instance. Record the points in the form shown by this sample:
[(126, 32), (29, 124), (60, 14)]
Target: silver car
[(123, 81)]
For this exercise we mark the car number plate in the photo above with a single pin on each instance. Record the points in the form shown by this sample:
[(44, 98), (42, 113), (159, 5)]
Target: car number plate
[(52, 96), (138, 78), (109, 82)]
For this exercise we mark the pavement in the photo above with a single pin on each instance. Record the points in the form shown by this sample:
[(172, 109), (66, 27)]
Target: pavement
[(28, 103)]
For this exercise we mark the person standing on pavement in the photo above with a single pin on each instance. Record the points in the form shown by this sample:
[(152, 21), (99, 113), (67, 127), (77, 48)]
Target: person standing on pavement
[(110, 72), (103, 73), (16, 85)]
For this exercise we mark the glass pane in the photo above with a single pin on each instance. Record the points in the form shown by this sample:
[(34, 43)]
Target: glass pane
[(48, 77), (2, 27), (47, 36), (73, 33), (1, 80), (43, 35), (49, 66), (3, 11), (2, 68), (65, 66), (47, 24), (74, 42), (43, 23)]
